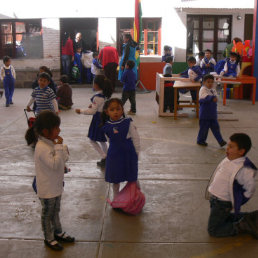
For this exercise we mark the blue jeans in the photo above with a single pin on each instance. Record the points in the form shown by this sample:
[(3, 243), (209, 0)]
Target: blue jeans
[(66, 64), (50, 217), (221, 221)]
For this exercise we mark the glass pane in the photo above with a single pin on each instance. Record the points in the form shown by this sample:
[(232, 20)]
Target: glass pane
[(7, 45), (208, 45), (193, 23), (142, 49), (196, 35), (7, 39), (20, 27), (152, 37), (222, 46), (208, 23), (152, 49), (208, 34), (223, 34), (196, 48), (223, 23), (6, 27)]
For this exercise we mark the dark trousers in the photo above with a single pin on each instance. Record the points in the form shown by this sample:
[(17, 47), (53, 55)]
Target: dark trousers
[(131, 96), (205, 125), (9, 90), (110, 73), (168, 98), (221, 221)]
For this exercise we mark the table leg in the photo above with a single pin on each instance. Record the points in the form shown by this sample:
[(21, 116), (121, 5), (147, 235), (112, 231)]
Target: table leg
[(254, 92), (175, 103), (224, 94)]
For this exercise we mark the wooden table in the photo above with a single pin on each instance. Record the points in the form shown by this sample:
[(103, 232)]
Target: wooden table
[(189, 86), (243, 79)]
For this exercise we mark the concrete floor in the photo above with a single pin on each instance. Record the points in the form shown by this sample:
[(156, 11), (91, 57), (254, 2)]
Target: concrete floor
[(173, 171)]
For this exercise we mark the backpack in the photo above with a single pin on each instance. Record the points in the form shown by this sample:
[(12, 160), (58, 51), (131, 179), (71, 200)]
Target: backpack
[(130, 199), (75, 73), (219, 66)]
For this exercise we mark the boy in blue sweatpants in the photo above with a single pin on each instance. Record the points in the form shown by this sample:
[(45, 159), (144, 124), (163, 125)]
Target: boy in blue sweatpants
[(8, 77), (208, 112), (232, 185)]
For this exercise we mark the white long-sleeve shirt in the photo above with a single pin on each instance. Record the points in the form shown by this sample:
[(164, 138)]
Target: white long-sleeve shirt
[(50, 161), (96, 105), (225, 69), (2, 73)]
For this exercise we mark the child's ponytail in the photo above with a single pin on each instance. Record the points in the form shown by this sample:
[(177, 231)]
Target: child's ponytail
[(104, 84), (30, 136)]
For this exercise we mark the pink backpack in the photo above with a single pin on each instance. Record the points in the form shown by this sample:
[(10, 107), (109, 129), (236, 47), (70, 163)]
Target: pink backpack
[(130, 199)]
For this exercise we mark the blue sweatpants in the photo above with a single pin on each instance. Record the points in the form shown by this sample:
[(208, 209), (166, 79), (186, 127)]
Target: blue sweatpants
[(8, 90), (205, 125)]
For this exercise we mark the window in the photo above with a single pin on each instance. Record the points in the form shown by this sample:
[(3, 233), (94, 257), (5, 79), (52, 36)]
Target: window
[(21, 39), (208, 32), (151, 34)]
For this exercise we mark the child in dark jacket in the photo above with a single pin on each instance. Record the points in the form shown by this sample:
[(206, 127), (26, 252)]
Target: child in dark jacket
[(129, 81), (208, 112), (64, 94)]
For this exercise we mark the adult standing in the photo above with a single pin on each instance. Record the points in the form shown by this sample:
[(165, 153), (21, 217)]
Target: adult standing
[(129, 48), (67, 53), (79, 42), (109, 60)]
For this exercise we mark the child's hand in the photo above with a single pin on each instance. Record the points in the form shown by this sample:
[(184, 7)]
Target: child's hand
[(59, 140), (78, 111), (215, 99), (28, 109), (90, 106)]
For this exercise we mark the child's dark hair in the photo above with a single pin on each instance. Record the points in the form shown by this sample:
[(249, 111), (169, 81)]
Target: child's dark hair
[(191, 60), (236, 55), (44, 76), (169, 59), (64, 78), (104, 84), (6, 59), (45, 120), (207, 77), (242, 140), (208, 50), (95, 54), (167, 48), (201, 54), (130, 64), (104, 116), (46, 70)]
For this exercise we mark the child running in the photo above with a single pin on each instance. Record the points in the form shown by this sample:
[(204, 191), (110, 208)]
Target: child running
[(232, 185), (124, 145), (103, 88), (44, 97), (208, 112), (8, 76), (50, 157)]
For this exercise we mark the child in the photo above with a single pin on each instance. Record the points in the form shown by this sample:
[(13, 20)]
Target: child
[(208, 63), (64, 94), (124, 145), (95, 66), (44, 97), (103, 89), (87, 58), (232, 185), (78, 63), (194, 73), (168, 86), (199, 58), (208, 112), (8, 77), (50, 157), (167, 52), (232, 67), (129, 81)]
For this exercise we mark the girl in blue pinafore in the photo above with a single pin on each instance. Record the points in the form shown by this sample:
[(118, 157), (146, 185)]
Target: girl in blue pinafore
[(129, 48), (124, 145), (103, 88), (8, 77)]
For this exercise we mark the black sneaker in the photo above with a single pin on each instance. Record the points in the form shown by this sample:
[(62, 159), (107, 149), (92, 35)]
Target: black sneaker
[(54, 245), (223, 143), (11, 103), (101, 163), (7, 105), (248, 225), (64, 238), (202, 143)]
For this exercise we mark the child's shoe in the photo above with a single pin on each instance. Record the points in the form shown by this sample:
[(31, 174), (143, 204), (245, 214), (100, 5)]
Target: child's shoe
[(54, 245), (101, 163), (7, 105), (1, 94), (223, 143), (247, 225), (63, 237), (131, 113), (202, 143)]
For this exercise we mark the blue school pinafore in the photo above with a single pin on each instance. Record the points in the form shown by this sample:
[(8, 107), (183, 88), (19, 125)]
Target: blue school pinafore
[(8, 85)]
